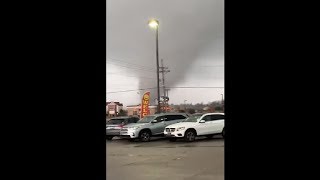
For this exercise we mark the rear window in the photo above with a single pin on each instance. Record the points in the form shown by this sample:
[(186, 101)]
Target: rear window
[(115, 121)]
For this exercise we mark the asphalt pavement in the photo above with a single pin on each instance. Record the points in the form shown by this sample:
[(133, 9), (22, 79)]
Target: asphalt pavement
[(161, 159)]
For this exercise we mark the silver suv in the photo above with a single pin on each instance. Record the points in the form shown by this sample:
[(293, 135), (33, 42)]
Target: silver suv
[(151, 125)]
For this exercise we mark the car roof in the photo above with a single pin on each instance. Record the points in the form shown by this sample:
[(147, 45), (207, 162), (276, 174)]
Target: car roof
[(170, 113), (121, 117), (213, 113)]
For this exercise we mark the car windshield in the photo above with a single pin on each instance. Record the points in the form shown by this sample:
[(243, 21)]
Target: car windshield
[(115, 121), (146, 119), (192, 119)]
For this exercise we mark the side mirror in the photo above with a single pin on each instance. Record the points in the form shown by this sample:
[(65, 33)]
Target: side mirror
[(154, 121), (202, 121)]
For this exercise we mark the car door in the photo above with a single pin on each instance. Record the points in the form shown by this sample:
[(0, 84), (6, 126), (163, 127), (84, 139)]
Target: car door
[(158, 127), (217, 123), (203, 128)]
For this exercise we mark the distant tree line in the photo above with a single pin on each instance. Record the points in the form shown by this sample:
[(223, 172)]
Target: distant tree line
[(215, 106)]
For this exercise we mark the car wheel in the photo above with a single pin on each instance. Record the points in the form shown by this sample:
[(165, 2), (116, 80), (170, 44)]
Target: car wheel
[(173, 139), (190, 135), (209, 136), (109, 137), (223, 133), (145, 136)]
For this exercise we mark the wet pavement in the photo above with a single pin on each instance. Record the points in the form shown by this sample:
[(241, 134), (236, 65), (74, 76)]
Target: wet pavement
[(161, 159)]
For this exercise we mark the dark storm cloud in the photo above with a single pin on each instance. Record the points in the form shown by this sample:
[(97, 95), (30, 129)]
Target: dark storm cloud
[(191, 35)]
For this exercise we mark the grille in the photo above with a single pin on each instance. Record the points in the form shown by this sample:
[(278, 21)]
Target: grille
[(170, 129), (124, 129)]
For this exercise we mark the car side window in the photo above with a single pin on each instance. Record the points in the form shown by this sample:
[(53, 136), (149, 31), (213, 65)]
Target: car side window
[(174, 117), (217, 117), (160, 118), (169, 117), (207, 118), (180, 117), (220, 117)]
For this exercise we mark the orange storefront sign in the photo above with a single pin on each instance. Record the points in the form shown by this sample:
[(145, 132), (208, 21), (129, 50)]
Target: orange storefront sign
[(145, 104)]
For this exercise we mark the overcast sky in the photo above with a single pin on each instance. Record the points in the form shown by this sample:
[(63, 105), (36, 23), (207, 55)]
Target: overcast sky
[(191, 44)]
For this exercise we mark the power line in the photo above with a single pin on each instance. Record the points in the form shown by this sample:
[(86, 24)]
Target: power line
[(116, 60), (130, 90), (209, 66), (132, 68), (197, 87), (119, 74), (210, 87)]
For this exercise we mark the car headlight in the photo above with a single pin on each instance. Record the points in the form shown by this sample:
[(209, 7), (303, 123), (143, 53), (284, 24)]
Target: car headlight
[(134, 128), (180, 128)]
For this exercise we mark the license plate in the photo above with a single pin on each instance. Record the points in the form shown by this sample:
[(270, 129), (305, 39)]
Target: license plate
[(169, 133)]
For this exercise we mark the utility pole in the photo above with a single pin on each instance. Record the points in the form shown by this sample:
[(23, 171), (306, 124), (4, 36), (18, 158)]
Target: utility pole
[(164, 70), (167, 94)]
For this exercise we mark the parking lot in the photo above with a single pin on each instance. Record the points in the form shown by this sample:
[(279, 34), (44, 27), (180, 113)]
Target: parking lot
[(161, 159)]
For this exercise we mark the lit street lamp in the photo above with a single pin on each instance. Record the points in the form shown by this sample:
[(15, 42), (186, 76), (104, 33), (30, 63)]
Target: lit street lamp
[(153, 23)]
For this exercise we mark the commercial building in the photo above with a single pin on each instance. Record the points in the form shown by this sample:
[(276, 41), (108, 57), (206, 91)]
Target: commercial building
[(135, 110), (113, 108)]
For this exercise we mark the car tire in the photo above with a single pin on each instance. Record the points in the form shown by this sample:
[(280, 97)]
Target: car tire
[(190, 135), (109, 137), (223, 133), (172, 139), (144, 136)]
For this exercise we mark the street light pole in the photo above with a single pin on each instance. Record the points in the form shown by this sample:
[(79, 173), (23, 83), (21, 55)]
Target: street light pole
[(158, 86), (153, 23)]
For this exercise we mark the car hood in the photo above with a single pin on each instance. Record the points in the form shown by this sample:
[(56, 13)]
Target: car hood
[(182, 124), (135, 125)]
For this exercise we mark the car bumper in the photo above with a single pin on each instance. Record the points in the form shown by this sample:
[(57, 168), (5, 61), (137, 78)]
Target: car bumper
[(176, 134), (129, 134)]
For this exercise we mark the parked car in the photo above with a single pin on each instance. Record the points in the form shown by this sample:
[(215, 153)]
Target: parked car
[(151, 125), (114, 125), (208, 125)]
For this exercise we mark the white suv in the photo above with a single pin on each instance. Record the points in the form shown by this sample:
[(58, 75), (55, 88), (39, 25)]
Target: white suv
[(204, 125)]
